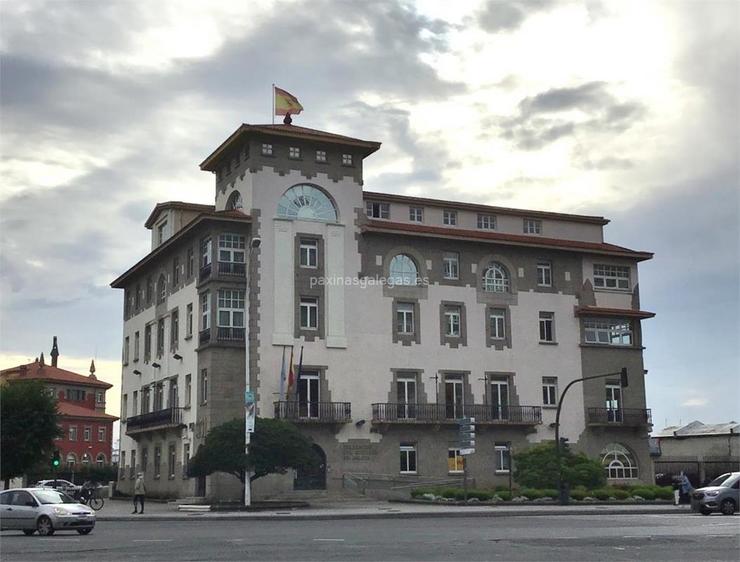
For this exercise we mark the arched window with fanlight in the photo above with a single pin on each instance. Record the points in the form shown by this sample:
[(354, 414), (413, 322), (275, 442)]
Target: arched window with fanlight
[(234, 202), (618, 462), (71, 460), (496, 279), (85, 458), (100, 460), (307, 202), (403, 271)]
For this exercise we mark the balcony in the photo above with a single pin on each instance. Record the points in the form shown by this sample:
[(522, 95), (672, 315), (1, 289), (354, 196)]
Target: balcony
[(314, 412), (626, 417), (159, 419), (230, 334), (205, 272), (234, 269), (204, 336), (391, 413)]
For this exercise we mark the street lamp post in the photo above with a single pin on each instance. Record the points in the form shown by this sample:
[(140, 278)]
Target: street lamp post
[(562, 492), (254, 243)]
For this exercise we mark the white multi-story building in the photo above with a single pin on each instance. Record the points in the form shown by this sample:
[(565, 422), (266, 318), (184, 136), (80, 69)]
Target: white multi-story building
[(411, 313)]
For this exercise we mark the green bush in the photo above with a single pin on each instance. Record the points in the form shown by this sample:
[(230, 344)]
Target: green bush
[(550, 493), (601, 494), (621, 494), (531, 493), (645, 493), (504, 495), (664, 493), (537, 467), (450, 493), (578, 494)]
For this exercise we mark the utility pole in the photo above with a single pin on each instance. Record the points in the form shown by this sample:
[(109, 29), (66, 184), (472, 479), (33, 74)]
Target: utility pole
[(562, 492), (254, 243)]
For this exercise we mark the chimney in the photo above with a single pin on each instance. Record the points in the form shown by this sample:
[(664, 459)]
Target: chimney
[(54, 353)]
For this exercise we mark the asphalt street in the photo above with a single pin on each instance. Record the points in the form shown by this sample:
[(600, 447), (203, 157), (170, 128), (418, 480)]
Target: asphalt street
[(596, 537)]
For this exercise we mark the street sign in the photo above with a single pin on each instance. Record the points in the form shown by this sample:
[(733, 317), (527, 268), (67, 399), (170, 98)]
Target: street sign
[(250, 405), (466, 435), (468, 451)]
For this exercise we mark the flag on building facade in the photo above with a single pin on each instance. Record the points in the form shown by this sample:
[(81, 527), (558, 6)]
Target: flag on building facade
[(282, 376), (286, 103), (291, 377), (300, 368)]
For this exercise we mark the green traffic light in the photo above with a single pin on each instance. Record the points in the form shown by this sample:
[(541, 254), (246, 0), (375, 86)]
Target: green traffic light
[(55, 462)]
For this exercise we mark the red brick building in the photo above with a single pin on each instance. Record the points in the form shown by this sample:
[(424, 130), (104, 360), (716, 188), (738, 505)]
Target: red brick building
[(87, 430)]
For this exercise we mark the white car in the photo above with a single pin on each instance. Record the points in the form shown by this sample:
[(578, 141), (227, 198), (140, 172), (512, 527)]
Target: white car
[(58, 484), (43, 510)]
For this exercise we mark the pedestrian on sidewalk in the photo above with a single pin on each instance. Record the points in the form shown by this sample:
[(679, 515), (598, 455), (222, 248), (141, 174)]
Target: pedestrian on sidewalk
[(139, 492)]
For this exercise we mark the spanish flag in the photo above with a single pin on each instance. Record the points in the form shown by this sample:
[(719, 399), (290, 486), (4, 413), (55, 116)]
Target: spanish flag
[(285, 103)]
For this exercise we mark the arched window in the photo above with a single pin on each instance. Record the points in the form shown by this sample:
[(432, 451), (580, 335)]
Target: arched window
[(403, 271), (618, 462), (85, 459), (161, 289), (306, 202), (71, 460), (234, 202), (100, 460), (496, 279)]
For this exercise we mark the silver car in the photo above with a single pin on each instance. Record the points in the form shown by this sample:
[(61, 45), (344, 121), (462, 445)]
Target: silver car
[(721, 494), (43, 510)]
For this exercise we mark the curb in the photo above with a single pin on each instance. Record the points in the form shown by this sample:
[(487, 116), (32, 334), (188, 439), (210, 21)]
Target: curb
[(213, 516)]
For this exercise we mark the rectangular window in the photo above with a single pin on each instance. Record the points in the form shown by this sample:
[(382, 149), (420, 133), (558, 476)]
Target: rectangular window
[(137, 339), (176, 271), (455, 461), (405, 317), (101, 434), (137, 298), (309, 313), (146, 395), (266, 149), (173, 401), (147, 342), (547, 333), (532, 226), (188, 389), (135, 403), (132, 469), (157, 461), (454, 397), (550, 391), (125, 350), (294, 152), (160, 337), (171, 459), (416, 214), (608, 332), (206, 248), (124, 407), (149, 290), (451, 266), (487, 222), (544, 274), (377, 210), (321, 156), (73, 433), (87, 434), (406, 397), (408, 459), (161, 232), (502, 453), (158, 397), (452, 321), (346, 159), (144, 458), (189, 321), (174, 329), (185, 459), (204, 386), (205, 313), (498, 324), (190, 263), (449, 217), (309, 253), (611, 277), (231, 310), (232, 254), (99, 397)]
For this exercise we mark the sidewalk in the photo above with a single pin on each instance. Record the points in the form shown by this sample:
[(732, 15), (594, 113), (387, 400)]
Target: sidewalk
[(120, 510)]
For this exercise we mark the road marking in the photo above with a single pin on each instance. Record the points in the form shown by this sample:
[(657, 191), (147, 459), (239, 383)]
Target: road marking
[(330, 540), (153, 540)]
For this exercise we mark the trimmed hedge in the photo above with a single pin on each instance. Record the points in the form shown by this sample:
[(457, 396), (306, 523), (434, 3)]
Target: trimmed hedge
[(578, 493)]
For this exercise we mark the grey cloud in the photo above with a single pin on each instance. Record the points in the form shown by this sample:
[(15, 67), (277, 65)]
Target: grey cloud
[(583, 97), (507, 15)]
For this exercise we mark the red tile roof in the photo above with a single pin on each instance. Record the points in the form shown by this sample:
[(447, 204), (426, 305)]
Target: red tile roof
[(36, 371), (75, 411), (528, 213), (503, 238), (292, 131), (624, 312)]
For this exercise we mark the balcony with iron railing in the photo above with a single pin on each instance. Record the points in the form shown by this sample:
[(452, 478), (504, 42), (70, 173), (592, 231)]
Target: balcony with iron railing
[(234, 269), (159, 419), (619, 417), (314, 412), (204, 336), (230, 334), (399, 413), (205, 272)]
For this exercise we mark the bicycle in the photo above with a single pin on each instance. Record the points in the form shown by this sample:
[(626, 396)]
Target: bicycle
[(91, 497)]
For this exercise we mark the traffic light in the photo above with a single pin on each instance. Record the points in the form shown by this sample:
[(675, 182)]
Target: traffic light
[(55, 460), (623, 378)]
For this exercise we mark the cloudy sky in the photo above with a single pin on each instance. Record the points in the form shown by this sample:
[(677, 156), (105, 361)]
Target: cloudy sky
[(623, 109)]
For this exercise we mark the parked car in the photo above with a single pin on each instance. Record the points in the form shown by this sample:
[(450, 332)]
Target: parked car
[(58, 484), (721, 494), (43, 510)]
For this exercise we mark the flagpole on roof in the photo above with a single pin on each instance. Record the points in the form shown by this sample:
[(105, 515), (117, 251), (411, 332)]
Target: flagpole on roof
[(272, 93)]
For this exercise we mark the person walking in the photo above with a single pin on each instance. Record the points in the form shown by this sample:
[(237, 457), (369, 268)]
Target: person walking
[(139, 492)]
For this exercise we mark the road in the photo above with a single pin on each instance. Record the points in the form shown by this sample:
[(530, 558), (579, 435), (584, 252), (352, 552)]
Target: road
[(566, 538)]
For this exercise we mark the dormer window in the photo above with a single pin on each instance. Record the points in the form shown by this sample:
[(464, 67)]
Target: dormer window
[(532, 226), (321, 156), (449, 217), (346, 159), (266, 149), (416, 214), (376, 210), (161, 232), (294, 152), (487, 222)]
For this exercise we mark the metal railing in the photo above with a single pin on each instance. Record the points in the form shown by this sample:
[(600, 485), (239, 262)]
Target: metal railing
[(230, 334), (448, 413), (205, 272), (631, 417), (314, 412), (232, 268), (169, 417), (204, 336)]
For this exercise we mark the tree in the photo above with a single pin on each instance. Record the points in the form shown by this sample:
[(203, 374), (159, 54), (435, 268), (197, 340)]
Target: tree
[(28, 426), (537, 467), (275, 447)]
